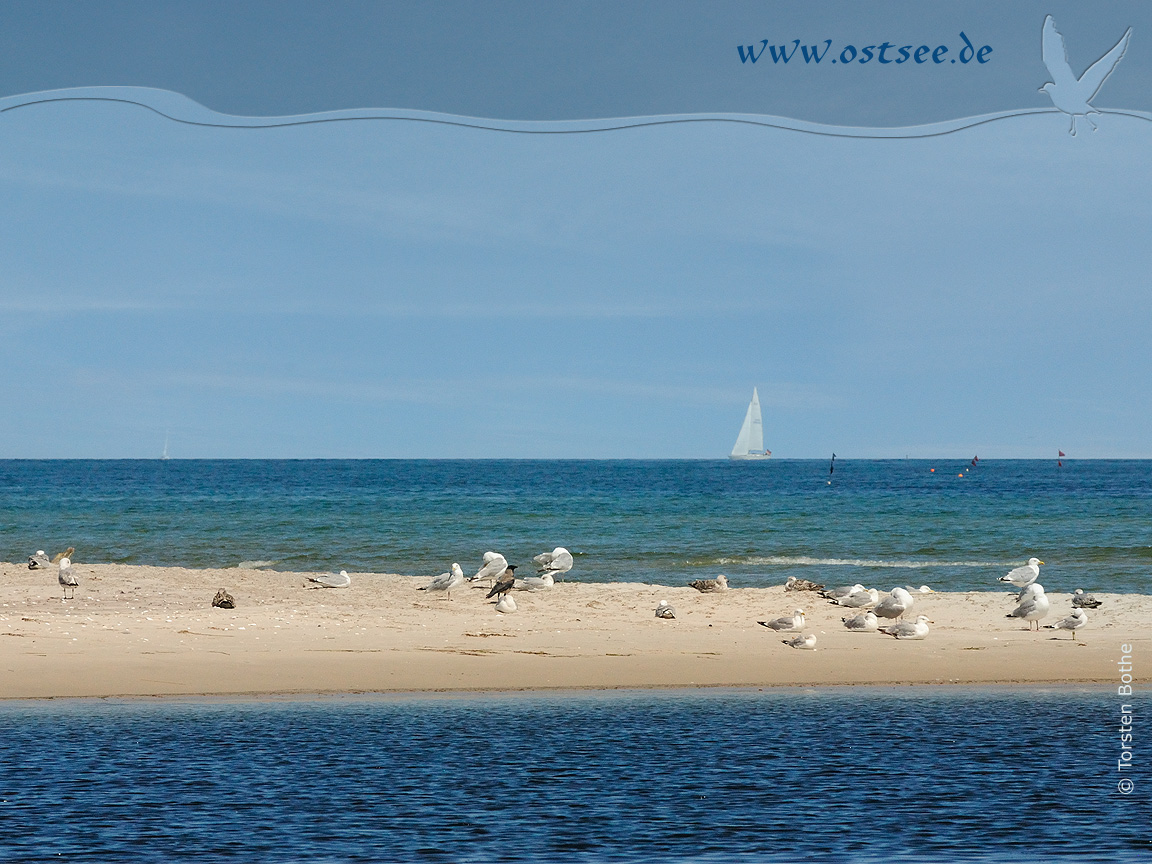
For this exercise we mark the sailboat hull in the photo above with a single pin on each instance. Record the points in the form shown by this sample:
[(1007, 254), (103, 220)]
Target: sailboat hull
[(749, 457)]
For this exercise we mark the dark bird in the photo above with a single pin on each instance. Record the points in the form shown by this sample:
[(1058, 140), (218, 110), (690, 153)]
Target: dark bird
[(1070, 94), (794, 584), (720, 583), (1080, 600), (504, 583)]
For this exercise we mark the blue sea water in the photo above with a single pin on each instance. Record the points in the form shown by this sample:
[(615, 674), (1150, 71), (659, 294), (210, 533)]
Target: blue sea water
[(824, 775), (949, 524)]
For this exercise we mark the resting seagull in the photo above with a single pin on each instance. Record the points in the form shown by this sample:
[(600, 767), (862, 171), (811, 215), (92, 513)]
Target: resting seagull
[(534, 583), (1070, 94), (327, 580), (39, 561), (859, 599), (506, 604), (1033, 606), (555, 563), (720, 583), (494, 565), (67, 577), (1080, 600), (842, 591), (865, 622), (806, 643), (1024, 576), (793, 622), (906, 630), (665, 610), (446, 581), (794, 584)]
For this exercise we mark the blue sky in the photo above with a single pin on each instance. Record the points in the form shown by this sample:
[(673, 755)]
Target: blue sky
[(393, 289)]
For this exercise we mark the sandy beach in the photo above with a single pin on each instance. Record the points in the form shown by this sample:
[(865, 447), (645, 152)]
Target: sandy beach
[(151, 631)]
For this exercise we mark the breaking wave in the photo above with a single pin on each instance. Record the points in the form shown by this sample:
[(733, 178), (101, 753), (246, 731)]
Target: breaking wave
[(805, 561)]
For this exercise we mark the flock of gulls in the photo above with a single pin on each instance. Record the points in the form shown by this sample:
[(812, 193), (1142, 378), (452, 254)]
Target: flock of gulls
[(1032, 604)]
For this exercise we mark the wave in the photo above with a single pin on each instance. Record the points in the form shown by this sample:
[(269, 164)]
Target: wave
[(805, 561), (180, 109)]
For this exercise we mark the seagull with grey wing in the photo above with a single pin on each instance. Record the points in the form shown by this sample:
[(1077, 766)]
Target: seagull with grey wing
[(1070, 94)]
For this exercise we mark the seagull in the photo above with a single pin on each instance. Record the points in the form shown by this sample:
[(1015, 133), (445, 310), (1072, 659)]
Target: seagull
[(859, 599), (535, 583), (865, 622), (504, 583), (1033, 606), (842, 591), (1024, 576), (793, 622), (67, 553), (1070, 94), (327, 580), (806, 643), (905, 630), (794, 584), (1080, 600), (720, 583), (1073, 622), (923, 589), (39, 561), (494, 565), (895, 604), (67, 577), (506, 604), (557, 562), (446, 581), (665, 610)]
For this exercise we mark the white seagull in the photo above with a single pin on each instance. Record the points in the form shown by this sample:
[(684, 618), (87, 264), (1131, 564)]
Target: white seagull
[(1070, 94), (506, 604), (895, 604), (906, 630), (1033, 606), (494, 565), (806, 643), (534, 583), (865, 622), (842, 591), (1073, 622), (39, 561), (556, 563), (1024, 576), (665, 610), (327, 580), (859, 599), (66, 577), (1080, 600), (795, 621), (446, 581)]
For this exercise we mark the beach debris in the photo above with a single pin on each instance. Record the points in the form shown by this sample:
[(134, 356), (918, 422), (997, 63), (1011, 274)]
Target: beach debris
[(1080, 600), (506, 604), (67, 553), (1024, 576), (859, 599), (224, 600), (1073, 622), (446, 581), (39, 561), (505, 583), (535, 583), (494, 565), (1033, 606), (720, 583), (909, 630), (794, 584), (795, 621), (865, 622), (842, 591), (895, 604), (327, 580), (66, 577), (805, 643), (556, 563), (664, 610)]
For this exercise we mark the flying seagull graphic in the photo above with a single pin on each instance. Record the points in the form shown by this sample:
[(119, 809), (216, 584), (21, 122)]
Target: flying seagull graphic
[(1070, 94)]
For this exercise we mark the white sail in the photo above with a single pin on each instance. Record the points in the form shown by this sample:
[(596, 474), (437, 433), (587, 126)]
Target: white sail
[(750, 441)]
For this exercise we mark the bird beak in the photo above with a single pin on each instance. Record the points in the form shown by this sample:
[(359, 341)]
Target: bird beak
[(1041, 562)]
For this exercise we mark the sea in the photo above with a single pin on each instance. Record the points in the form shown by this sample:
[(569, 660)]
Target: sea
[(954, 525), (823, 774)]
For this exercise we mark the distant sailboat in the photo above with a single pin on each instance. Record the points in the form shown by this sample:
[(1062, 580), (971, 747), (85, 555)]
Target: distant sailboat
[(750, 442), (164, 455)]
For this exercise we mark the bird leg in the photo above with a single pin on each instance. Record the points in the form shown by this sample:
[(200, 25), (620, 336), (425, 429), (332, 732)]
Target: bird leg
[(1089, 119), (1072, 130)]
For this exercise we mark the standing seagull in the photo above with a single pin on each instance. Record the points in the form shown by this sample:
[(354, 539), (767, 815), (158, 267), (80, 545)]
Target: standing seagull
[(1070, 94), (555, 563), (1024, 576), (67, 577), (494, 565), (445, 581), (1073, 622), (1033, 607), (504, 584), (895, 604)]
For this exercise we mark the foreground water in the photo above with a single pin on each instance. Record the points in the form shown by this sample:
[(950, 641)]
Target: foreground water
[(949, 524), (853, 774)]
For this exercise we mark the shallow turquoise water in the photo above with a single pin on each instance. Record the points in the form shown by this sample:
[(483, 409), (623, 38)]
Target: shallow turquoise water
[(879, 522)]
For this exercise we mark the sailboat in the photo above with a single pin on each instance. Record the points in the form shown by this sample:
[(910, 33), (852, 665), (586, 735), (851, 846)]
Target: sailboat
[(164, 455), (750, 441)]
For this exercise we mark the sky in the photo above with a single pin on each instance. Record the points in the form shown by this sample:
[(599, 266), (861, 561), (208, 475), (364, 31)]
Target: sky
[(398, 289)]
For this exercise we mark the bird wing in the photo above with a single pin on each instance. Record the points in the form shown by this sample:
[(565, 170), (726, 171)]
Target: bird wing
[(561, 561), (492, 567), (1096, 74), (543, 559), (1056, 55)]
